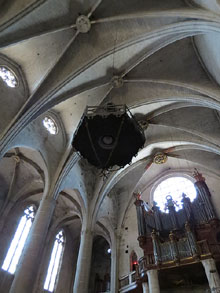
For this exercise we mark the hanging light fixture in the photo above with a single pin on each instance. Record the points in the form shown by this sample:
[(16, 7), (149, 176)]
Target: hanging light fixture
[(108, 136)]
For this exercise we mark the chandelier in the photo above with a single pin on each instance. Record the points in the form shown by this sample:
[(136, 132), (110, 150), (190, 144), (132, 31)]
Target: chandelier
[(108, 135)]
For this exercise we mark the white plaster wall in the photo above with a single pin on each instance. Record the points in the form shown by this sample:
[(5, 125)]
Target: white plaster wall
[(208, 47), (213, 5), (129, 235), (214, 188)]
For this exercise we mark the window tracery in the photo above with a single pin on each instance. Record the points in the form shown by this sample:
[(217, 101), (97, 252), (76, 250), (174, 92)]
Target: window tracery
[(55, 262), (8, 76), (50, 125), (173, 187), (17, 243)]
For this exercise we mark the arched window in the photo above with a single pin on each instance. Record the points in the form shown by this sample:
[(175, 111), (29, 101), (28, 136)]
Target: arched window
[(133, 261), (17, 243), (55, 262), (174, 187)]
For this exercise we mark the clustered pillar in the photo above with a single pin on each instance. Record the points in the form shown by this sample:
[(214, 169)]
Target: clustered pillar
[(84, 262), (153, 281), (114, 264), (28, 265), (211, 274)]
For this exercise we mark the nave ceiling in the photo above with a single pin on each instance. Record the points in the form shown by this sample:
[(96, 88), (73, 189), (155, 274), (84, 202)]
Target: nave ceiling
[(161, 58)]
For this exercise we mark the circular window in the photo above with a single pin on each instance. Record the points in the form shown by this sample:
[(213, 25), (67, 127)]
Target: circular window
[(50, 124), (174, 187), (8, 76)]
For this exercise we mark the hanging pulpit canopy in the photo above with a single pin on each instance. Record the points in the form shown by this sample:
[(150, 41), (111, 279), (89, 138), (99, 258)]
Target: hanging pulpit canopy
[(108, 136)]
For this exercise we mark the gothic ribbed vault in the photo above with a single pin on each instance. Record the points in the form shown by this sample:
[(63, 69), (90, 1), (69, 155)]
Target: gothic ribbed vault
[(160, 58)]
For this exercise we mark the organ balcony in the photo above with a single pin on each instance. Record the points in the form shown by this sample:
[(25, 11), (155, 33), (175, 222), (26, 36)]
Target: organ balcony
[(178, 238)]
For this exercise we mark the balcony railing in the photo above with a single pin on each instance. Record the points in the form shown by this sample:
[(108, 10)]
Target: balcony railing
[(203, 247), (205, 250), (128, 282)]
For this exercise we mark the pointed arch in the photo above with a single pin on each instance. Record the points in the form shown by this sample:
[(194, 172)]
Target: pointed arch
[(55, 262), (17, 244), (133, 261)]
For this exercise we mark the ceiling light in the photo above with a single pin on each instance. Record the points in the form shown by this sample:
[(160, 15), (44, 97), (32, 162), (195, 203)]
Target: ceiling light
[(8, 76), (50, 124)]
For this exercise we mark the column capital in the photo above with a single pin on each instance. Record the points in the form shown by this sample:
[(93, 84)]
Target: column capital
[(87, 231)]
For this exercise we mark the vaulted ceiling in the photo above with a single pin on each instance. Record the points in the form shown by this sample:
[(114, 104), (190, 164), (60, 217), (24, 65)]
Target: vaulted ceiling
[(161, 58)]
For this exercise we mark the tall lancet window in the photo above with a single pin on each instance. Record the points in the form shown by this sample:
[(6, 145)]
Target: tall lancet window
[(55, 262), (17, 243)]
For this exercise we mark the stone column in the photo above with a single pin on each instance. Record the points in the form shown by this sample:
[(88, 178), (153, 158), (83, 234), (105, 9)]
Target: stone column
[(28, 265), (114, 264), (211, 274), (84, 262), (153, 281), (145, 287)]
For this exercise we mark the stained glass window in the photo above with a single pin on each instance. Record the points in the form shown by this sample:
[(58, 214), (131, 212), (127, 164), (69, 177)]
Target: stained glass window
[(174, 186), (55, 262), (17, 243), (50, 125), (8, 76)]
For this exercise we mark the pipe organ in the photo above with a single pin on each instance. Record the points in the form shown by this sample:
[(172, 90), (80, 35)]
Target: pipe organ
[(176, 238)]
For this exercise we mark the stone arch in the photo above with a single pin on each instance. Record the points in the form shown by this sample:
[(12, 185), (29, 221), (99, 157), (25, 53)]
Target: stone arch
[(133, 261), (101, 265)]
